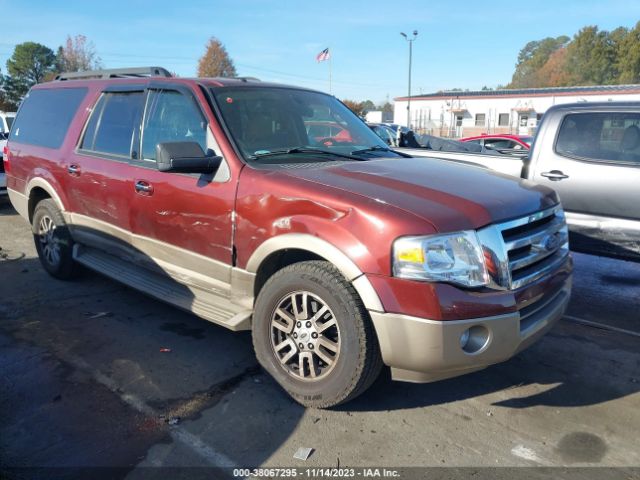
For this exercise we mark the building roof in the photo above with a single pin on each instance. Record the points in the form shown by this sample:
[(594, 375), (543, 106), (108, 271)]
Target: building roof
[(530, 92)]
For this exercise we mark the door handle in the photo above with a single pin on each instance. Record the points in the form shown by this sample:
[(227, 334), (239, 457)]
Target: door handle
[(554, 175), (144, 188), (73, 170)]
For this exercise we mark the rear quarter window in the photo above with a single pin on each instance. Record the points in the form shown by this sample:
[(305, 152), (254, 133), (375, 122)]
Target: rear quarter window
[(45, 115)]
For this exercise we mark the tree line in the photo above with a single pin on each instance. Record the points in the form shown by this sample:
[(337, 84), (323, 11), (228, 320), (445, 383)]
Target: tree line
[(362, 108), (591, 57), (33, 63)]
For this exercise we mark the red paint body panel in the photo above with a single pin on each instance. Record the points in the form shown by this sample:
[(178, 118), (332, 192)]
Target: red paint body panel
[(184, 212), (439, 301), (271, 203)]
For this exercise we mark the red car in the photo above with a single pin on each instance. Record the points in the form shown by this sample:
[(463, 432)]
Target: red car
[(502, 141), (339, 257)]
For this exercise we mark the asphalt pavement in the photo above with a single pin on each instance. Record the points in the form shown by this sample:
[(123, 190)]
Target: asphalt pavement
[(94, 374)]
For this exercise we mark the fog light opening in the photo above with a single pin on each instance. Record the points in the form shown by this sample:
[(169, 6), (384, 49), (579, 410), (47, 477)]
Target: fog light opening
[(474, 339)]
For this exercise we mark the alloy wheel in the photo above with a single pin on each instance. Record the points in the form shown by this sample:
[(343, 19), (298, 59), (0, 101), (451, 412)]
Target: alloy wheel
[(49, 243), (305, 336)]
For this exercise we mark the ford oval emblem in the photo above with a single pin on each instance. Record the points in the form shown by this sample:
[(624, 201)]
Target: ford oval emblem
[(552, 242)]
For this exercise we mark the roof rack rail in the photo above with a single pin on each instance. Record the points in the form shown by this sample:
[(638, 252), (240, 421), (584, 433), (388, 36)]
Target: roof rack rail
[(247, 79), (115, 73)]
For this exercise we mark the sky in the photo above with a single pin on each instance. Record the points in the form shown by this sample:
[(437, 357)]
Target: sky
[(460, 44)]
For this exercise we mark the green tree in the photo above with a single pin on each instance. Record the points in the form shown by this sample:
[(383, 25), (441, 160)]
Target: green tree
[(591, 58), (628, 56), (216, 62), (368, 106), (387, 107), (4, 103), (14, 89), (30, 63), (532, 58)]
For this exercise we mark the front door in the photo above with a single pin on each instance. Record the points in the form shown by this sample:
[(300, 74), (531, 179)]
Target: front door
[(181, 220)]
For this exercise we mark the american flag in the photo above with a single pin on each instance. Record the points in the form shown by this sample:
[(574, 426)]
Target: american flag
[(323, 55)]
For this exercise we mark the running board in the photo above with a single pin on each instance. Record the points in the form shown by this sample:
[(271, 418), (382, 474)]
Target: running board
[(205, 304)]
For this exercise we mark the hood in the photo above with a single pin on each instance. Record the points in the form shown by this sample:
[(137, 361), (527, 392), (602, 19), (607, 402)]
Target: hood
[(448, 195)]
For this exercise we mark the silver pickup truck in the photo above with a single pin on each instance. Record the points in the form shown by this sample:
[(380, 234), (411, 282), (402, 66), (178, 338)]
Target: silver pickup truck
[(590, 154)]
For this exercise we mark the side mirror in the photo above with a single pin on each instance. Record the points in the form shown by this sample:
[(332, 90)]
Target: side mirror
[(186, 157)]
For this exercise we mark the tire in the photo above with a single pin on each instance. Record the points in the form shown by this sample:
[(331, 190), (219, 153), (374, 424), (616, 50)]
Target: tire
[(53, 240), (314, 375)]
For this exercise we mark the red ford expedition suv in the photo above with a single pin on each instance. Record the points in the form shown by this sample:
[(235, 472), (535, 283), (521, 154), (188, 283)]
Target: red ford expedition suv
[(215, 195)]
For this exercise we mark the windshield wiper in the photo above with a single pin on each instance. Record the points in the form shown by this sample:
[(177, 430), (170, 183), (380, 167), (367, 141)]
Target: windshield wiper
[(291, 151), (374, 148)]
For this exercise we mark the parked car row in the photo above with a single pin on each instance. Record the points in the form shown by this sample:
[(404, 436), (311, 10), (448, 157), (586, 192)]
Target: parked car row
[(275, 209)]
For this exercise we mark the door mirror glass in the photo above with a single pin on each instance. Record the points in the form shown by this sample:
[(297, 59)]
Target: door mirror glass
[(186, 157)]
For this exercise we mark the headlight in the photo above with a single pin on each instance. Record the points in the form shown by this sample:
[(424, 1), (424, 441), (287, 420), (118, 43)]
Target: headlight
[(453, 257)]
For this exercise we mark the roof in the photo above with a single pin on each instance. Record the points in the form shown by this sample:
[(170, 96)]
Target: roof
[(530, 92), (596, 106), (142, 80)]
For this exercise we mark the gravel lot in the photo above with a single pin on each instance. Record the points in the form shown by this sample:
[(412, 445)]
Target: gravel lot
[(85, 383)]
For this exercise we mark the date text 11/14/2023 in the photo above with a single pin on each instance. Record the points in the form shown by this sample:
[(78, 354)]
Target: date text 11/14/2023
[(318, 472)]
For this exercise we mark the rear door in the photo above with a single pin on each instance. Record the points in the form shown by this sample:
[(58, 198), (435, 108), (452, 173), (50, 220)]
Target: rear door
[(182, 220), (594, 165), (99, 178)]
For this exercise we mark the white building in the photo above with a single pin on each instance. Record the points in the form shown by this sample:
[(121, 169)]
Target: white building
[(463, 114), (378, 116)]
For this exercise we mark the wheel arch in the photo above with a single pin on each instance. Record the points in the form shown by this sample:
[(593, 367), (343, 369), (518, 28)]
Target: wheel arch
[(38, 189), (283, 250)]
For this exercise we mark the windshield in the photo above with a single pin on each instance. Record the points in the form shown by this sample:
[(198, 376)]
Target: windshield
[(9, 121), (527, 140), (292, 125)]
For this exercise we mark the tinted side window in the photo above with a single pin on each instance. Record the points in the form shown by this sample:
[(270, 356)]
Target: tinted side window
[(613, 137), (45, 116), (171, 116), (90, 131), (112, 123)]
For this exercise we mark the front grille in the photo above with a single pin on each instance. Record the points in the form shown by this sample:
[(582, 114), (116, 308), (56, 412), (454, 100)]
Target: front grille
[(523, 250)]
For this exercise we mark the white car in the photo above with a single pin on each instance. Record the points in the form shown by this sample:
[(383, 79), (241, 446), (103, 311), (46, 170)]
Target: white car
[(6, 119)]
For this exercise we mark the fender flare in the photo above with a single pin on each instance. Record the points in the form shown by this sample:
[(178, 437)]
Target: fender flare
[(47, 187), (326, 250)]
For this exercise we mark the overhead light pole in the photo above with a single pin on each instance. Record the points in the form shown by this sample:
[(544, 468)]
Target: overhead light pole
[(410, 40)]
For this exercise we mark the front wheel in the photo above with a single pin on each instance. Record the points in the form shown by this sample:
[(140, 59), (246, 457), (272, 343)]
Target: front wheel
[(312, 333)]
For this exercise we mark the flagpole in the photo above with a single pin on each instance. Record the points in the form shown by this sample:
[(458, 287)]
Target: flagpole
[(330, 55)]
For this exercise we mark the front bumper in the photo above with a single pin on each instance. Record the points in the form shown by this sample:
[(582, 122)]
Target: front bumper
[(421, 350), (3, 182)]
